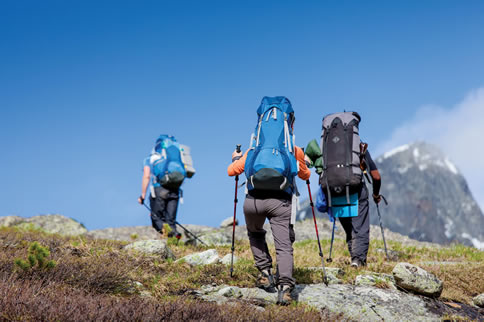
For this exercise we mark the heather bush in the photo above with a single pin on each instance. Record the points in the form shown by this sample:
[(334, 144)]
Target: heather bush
[(49, 301)]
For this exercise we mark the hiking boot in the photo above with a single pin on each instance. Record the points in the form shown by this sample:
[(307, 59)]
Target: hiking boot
[(265, 281), (284, 296), (357, 263), (174, 234)]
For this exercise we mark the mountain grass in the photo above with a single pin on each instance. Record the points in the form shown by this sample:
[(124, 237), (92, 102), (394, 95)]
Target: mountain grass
[(96, 279)]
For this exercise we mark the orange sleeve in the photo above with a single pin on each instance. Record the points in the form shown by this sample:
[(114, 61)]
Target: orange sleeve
[(237, 167), (304, 172)]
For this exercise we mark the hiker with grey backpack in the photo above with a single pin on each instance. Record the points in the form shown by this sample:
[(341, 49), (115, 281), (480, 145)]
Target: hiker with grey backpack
[(344, 163), (164, 171), (271, 164)]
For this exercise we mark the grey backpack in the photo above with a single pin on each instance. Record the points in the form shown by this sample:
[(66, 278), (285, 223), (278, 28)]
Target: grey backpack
[(340, 146)]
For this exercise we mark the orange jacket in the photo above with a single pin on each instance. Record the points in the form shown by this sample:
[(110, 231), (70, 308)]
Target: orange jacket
[(237, 167)]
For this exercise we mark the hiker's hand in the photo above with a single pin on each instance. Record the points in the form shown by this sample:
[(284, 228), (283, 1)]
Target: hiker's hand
[(141, 200), (236, 155), (377, 198), (308, 161)]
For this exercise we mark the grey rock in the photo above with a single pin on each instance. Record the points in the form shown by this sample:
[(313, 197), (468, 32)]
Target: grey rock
[(226, 260), (53, 224), (355, 302), (230, 291), (228, 222), (416, 279), (372, 279), (217, 238), (479, 300), (135, 233), (9, 221), (152, 247), (203, 258), (143, 233)]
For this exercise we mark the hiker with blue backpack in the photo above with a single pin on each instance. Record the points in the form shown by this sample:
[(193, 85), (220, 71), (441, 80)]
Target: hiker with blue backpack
[(343, 163), (271, 164), (164, 170)]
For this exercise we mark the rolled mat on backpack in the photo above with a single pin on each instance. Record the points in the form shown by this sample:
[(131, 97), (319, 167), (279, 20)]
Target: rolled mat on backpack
[(341, 208), (313, 151)]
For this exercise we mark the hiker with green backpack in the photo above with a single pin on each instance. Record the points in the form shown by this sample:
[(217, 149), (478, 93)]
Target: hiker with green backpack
[(271, 164), (164, 170), (343, 162)]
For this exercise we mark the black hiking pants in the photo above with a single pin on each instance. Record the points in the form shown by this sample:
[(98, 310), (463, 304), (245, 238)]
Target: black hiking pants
[(357, 228), (163, 209)]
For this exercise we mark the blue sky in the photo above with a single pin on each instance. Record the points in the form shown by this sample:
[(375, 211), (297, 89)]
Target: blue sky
[(87, 86)]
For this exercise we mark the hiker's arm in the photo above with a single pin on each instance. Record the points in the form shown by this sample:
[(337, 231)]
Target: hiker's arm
[(145, 181), (375, 175), (304, 172), (237, 167)]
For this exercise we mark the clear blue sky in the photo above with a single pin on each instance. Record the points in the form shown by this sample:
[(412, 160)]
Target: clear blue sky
[(87, 86)]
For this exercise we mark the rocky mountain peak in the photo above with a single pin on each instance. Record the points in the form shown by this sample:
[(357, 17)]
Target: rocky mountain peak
[(418, 154), (429, 199)]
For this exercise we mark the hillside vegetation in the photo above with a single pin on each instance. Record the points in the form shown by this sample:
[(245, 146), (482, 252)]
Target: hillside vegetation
[(96, 279)]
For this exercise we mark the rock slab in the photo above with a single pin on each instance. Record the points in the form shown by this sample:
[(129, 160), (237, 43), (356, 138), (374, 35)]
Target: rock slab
[(203, 258), (372, 279), (53, 224), (228, 222), (359, 303), (479, 300), (228, 258), (418, 280), (152, 247)]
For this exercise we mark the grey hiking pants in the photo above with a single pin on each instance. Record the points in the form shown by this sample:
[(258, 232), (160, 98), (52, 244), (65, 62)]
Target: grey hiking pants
[(278, 211), (358, 228)]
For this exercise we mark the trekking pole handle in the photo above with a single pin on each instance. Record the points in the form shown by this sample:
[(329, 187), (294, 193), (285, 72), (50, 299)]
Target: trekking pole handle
[(237, 148), (385, 200)]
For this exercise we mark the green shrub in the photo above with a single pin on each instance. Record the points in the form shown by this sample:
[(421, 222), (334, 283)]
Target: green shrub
[(37, 257)]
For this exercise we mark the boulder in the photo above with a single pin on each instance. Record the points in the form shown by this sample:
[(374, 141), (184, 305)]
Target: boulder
[(152, 247), (203, 258), (54, 224), (228, 222), (230, 291), (9, 221), (57, 224), (416, 279), (228, 258), (479, 300)]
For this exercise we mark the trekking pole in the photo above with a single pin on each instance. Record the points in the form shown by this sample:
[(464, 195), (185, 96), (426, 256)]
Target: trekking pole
[(186, 230), (381, 226), (329, 260), (237, 149), (325, 278), (189, 232)]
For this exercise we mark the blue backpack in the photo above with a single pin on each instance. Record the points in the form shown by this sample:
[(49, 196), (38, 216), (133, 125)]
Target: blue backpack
[(271, 164), (168, 168)]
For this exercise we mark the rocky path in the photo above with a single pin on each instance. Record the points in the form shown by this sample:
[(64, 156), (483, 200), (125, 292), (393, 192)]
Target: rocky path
[(362, 303)]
